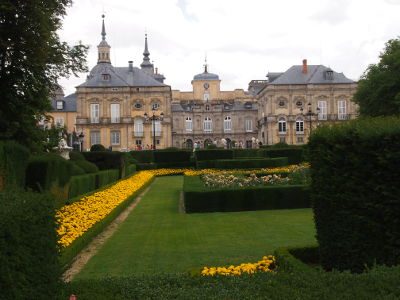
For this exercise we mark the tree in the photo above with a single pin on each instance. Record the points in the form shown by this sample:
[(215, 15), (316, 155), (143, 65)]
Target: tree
[(32, 58), (378, 92)]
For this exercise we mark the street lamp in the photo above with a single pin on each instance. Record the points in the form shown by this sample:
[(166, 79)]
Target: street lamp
[(154, 118), (310, 114), (81, 136)]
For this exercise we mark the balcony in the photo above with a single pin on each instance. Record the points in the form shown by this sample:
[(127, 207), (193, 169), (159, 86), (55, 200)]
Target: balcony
[(138, 134), (157, 133), (115, 120), (94, 120)]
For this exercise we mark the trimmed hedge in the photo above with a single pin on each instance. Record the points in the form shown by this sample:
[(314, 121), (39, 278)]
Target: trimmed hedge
[(13, 163), (81, 184), (295, 155), (169, 156), (198, 198), (106, 177), (131, 169), (68, 254), (106, 160), (87, 166), (246, 163), (75, 155), (296, 259), (143, 156), (248, 153), (49, 170), (356, 195), (97, 147), (28, 253), (213, 154)]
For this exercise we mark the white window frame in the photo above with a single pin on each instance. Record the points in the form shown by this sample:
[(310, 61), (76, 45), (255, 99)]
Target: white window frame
[(95, 138), (227, 124), (206, 96), (299, 126), (115, 112), (60, 104), (248, 125), (157, 127), (189, 124), (207, 124), (342, 114), (94, 113), (282, 125), (138, 127), (323, 110), (115, 137)]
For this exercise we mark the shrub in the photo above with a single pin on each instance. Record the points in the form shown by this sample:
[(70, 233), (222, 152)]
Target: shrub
[(81, 184), (28, 252), (248, 153), (45, 171), (106, 177), (97, 147), (213, 154), (289, 259), (294, 154), (13, 162), (164, 156), (106, 160), (198, 198), (87, 166), (243, 163), (356, 203), (144, 156), (131, 169), (75, 155)]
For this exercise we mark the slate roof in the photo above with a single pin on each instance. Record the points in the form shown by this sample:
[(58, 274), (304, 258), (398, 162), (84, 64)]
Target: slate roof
[(69, 103), (316, 75), (206, 76), (119, 77)]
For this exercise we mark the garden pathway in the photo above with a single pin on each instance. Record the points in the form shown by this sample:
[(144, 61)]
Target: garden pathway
[(89, 251)]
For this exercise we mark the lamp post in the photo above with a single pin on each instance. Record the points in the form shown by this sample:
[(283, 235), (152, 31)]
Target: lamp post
[(154, 118), (81, 136), (310, 114)]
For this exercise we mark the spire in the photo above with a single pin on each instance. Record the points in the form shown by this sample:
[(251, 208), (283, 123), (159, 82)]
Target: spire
[(103, 29), (146, 65), (205, 64)]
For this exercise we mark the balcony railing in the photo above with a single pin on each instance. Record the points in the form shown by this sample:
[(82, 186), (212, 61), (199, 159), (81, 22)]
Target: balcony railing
[(94, 120), (115, 120)]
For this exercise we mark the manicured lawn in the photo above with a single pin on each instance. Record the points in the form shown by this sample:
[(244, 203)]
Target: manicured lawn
[(157, 238)]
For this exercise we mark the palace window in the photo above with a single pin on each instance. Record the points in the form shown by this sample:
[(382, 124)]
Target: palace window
[(299, 126), (342, 110), (282, 125), (60, 105), (322, 105), (227, 124), (115, 112), (60, 122), (157, 127), (248, 124), (207, 125), (95, 138), (94, 113), (138, 127), (115, 137), (189, 124)]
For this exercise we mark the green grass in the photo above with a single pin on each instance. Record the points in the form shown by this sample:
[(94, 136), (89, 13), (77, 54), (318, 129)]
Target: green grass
[(156, 238)]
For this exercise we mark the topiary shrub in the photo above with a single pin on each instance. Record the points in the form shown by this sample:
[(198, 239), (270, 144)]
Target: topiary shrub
[(97, 147), (87, 166), (75, 155), (28, 246), (13, 162), (356, 196)]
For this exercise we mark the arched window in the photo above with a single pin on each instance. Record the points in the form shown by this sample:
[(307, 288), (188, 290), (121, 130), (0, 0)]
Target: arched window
[(282, 125), (207, 107), (138, 127), (189, 144), (299, 126), (227, 124), (207, 125), (189, 124)]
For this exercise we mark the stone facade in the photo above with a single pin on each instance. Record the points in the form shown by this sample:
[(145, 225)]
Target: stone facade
[(207, 115), (295, 102)]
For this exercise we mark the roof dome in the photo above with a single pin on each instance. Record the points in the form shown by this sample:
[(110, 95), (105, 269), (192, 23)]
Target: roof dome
[(206, 76), (102, 68)]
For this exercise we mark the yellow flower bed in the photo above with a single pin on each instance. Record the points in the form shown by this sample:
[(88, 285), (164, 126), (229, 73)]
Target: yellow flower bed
[(267, 264)]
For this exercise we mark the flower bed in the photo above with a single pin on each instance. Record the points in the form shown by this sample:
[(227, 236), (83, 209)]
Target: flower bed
[(267, 264)]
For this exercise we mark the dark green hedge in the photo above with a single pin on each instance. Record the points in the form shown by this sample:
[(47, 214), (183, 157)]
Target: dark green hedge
[(131, 169), (295, 155), (48, 170), (297, 259), (143, 156), (13, 163), (28, 253), (246, 163), (81, 184), (248, 153), (75, 155), (106, 177), (97, 147), (87, 166), (169, 156), (356, 193), (201, 199), (106, 160), (213, 154)]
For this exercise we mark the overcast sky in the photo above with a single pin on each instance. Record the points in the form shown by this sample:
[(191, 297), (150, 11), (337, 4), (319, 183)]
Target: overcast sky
[(244, 40)]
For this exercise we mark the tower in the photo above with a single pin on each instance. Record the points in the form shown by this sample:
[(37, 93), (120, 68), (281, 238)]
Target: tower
[(103, 47), (146, 65)]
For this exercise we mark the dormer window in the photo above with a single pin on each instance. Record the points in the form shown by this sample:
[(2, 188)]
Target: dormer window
[(106, 77), (60, 104), (248, 105), (329, 75)]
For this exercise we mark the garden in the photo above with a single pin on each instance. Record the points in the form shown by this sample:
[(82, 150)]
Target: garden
[(318, 229)]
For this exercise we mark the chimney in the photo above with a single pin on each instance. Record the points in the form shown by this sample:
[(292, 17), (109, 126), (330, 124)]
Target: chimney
[(130, 66), (156, 71), (305, 68)]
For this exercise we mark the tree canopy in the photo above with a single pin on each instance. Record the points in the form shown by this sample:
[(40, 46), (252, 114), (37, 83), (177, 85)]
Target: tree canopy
[(378, 92), (32, 58)]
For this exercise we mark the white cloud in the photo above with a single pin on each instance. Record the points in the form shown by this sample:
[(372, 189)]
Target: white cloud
[(243, 40)]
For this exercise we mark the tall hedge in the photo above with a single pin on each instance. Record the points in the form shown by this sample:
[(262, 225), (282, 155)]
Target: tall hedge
[(106, 160), (295, 154), (13, 162), (48, 170), (28, 253), (356, 193), (143, 156), (244, 163), (213, 154), (168, 156)]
